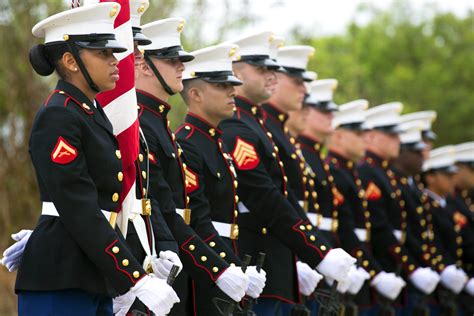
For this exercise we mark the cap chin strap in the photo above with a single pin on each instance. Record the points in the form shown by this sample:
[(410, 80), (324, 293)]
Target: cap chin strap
[(159, 76), (83, 68)]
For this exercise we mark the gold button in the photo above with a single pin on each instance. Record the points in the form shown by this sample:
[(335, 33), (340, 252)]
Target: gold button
[(236, 199), (215, 269), (293, 156), (411, 267), (203, 258), (323, 247), (140, 157), (191, 247), (365, 263), (302, 227), (118, 154), (115, 249), (144, 174), (397, 249), (372, 273), (85, 106), (115, 197), (236, 213), (212, 244), (404, 258), (274, 154), (125, 262), (359, 253), (236, 184), (269, 135), (312, 238), (120, 176), (222, 254), (136, 274), (264, 231), (281, 164), (309, 227)]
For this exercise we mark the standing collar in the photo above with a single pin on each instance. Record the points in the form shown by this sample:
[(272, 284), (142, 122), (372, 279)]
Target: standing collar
[(275, 114), (76, 94), (248, 106), (340, 161), (203, 126), (151, 102), (373, 159), (310, 142)]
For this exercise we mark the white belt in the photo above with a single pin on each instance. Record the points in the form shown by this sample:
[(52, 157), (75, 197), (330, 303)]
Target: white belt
[(361, 233), (140, 227), (242, 208), (185, 214), (49, 209), (398, 234), (323, 223), (227, 230)]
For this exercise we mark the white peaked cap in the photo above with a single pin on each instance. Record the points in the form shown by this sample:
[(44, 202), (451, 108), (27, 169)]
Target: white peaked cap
[(411, 132), (350, 113), (211, 59), (387, 114), (425, 117), (321, 90), (95, 18), (254, 44), (137, 8), (465, 152), (163, 33), (276, 43), (440, 158), (296, 56)]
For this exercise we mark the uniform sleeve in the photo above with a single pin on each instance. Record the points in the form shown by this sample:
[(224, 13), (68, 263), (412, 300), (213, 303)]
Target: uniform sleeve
[(201, 209), (75, 197), (199, 260), (269, 205), (349, 240), (384, 241)]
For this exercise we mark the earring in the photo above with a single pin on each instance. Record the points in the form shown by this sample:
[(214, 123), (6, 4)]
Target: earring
[(75, 69)]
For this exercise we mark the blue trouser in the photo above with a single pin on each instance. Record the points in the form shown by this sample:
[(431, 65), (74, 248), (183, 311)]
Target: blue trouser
[(63, 303), (272, 307)]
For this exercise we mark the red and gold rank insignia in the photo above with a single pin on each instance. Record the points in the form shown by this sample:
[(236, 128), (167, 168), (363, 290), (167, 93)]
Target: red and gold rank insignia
[(373, 192), (152, 158), (338, 197), (63, 153), (459, 219), (245, 155), (192, 181)]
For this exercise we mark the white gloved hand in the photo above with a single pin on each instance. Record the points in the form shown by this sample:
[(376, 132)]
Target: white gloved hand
[(257, 281), (388, 284), (122, 303), (162, 265), (233, 282), (424, 279), (156, 294), (308, 278), (470, 287), (453, 278), (342, 286), (13, 254), (357, 277), (336, 265)]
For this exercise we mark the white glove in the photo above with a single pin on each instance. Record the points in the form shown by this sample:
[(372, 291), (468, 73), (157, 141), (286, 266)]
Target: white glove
[(388, 284), (156, 294), (162, 265), (336, 265), (13, 254), (308, 278), (357, 277), (424, 279), (453, 278), (470, 287), (233, 282), (342, 286), (257, 281), (122, 303)]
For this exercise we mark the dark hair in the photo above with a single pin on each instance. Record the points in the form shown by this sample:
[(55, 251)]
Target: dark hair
[(46, 58)]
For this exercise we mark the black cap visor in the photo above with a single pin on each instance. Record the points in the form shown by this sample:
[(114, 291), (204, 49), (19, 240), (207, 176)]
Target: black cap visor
[(416, 146), (139, 37), (218, 77), (259, 60), (98, 41), (170, 53), (430, 135)]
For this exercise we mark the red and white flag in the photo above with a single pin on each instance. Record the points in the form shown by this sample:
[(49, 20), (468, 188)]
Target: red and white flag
[(120, 105)]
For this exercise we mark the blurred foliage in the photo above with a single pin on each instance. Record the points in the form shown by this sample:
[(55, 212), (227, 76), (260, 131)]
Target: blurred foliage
[(424, 62), (424, 59)]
